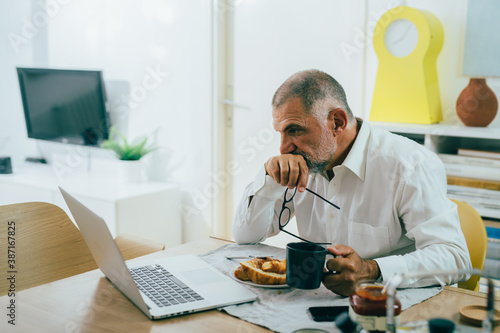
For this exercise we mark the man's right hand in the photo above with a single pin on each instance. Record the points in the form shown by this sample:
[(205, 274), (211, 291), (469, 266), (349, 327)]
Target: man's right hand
[(288, 170)]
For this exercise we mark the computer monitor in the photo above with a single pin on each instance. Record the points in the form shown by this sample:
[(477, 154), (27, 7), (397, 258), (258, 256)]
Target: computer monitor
[(64, 105)]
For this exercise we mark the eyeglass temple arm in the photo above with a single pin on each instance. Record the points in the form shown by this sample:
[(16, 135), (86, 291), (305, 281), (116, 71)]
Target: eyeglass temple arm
[(334, 205), (302, 239)]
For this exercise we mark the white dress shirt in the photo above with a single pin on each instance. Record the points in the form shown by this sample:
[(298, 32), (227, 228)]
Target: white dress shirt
[(393, 208)]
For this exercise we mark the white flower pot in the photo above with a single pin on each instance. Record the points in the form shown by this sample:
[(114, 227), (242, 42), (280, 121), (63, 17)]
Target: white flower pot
[(130, 171)]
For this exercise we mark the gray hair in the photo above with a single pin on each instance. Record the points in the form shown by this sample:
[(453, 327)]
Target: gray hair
[(312, 86)]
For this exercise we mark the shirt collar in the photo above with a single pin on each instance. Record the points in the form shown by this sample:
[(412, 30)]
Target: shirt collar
[(356, 159)]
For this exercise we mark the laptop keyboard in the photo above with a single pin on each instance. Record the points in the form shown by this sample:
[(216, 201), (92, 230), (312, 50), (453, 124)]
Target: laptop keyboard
[(162, 287)]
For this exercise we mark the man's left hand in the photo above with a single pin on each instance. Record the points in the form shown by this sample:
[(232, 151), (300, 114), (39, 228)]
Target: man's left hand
[(350, 268)]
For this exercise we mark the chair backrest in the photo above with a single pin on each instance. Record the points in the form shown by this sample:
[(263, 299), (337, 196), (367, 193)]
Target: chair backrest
[(44, 245), (477, 241)]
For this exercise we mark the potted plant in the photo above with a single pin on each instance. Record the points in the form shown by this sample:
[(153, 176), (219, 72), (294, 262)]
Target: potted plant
[(129, 153)]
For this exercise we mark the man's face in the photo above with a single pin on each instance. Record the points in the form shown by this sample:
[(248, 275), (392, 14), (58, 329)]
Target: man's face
[(304, 135)]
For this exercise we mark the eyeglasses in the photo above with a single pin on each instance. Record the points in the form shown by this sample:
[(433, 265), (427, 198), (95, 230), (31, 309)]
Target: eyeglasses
[(286, 213)]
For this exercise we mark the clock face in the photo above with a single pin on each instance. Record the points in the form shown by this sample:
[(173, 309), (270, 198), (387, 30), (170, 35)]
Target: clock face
[(401, 38)]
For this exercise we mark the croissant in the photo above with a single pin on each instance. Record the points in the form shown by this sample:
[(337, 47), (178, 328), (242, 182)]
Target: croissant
[(259, 261), (274, 266), (239, 274), (255, 272)]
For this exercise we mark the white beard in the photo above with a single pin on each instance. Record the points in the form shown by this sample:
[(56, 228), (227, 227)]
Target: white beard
[(325, 150)]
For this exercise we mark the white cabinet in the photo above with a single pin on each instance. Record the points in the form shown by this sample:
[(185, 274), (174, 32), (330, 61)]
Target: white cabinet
[(13, 193), (147, 209)]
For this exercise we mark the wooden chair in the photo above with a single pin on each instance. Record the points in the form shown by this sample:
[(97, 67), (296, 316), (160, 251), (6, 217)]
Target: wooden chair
[(44, 245), (475, 235)]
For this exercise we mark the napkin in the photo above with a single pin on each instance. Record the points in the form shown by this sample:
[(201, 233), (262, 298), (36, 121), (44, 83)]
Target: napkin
[(286, 309)]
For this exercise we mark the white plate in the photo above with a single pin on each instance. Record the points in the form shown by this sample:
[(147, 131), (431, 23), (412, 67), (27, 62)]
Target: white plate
[(253, 284)]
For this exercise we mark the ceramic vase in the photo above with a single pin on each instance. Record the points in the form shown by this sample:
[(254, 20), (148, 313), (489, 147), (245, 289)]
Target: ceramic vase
[(477, 104)]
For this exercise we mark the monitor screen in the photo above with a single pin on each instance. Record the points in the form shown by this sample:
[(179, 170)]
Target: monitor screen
[(64, 105)]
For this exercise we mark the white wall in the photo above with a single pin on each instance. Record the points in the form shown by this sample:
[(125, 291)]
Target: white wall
[(273, 40), (17, 44), (162, 48)]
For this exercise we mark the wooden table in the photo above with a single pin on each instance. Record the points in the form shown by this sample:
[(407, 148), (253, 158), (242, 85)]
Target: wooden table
[(89, 303)]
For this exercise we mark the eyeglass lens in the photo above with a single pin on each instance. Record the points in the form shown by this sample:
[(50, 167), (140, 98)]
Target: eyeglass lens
[(284, 216), (289, 195), (285, 213)]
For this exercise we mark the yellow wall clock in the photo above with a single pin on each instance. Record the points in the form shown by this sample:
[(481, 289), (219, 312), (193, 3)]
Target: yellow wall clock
[(406, 88)]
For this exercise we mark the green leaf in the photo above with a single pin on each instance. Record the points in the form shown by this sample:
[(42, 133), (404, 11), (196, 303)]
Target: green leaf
[(118, 143)]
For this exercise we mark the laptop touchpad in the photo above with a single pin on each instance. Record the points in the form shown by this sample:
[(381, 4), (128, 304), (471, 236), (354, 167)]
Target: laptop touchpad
[(202, 276)]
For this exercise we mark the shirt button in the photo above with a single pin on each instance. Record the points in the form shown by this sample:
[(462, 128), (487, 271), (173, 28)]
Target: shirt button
[(332, 215), (269, 187)]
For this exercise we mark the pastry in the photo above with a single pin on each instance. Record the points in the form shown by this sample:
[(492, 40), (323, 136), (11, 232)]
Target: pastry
[(274, 266), (240, 275), (265, 271)]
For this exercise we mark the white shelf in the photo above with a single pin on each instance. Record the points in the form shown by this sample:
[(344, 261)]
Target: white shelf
[(442, 129)]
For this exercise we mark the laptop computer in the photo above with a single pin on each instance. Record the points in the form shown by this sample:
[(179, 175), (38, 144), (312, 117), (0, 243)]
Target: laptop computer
[(160, 288)]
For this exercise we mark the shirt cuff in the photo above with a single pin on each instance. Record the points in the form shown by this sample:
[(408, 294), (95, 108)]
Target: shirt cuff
[(266, 186), (391, 265)]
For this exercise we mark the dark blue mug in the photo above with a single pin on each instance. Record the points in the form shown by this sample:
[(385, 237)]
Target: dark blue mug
[(304, 265)]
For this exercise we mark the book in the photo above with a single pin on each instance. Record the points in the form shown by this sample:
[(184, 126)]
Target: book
[(476, 201), (493, 249), (483, 285), (491, 268), (472, 171), (493, 234), (487, 212), (474, 192), (479, 153), (485, 201), (479, 196), (485, 208), (462, 159), (473, 182)]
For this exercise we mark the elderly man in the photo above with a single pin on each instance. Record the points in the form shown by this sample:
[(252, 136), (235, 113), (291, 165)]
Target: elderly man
[(394, 214)]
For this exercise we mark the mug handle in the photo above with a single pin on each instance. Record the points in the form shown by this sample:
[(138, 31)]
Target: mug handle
[(327, 272)]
